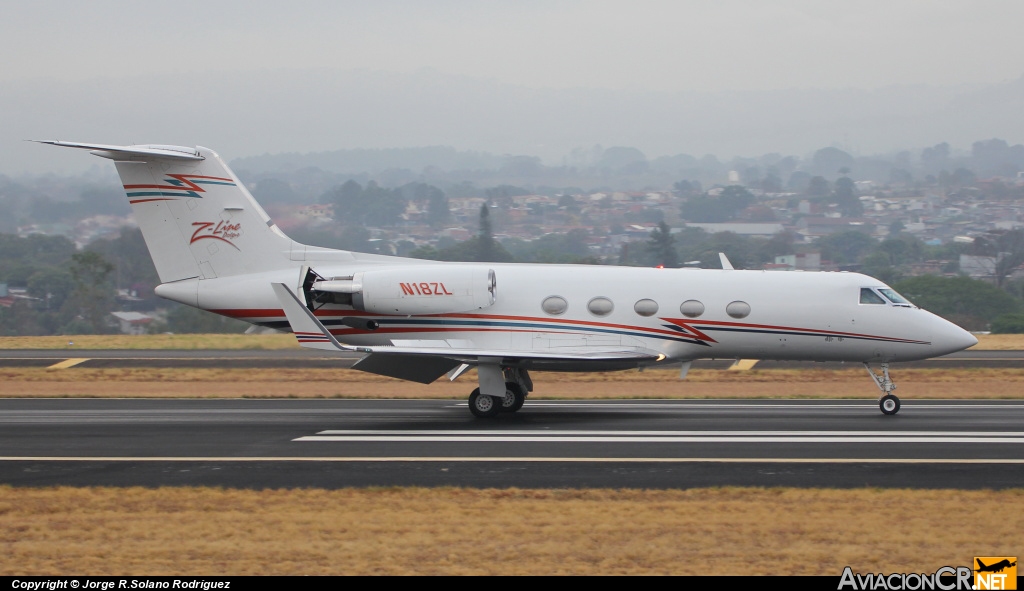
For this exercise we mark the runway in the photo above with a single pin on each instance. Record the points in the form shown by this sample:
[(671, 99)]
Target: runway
[(548, 444), (305, 358)]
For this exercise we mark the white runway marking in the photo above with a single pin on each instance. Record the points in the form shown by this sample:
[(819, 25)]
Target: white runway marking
[(492, 460), (512, 436), (780, 404)]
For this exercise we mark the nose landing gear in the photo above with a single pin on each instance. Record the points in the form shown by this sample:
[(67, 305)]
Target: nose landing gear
[(888, 403)]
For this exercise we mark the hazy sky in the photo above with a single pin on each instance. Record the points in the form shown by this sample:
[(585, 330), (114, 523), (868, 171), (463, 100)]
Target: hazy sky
[(647, 45), (673, 46)]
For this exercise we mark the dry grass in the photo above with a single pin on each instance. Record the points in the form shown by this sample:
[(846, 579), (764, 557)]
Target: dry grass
[(999, 342), (155, 341), (171, 531), (995, 342), (720, 531), (344, 383)]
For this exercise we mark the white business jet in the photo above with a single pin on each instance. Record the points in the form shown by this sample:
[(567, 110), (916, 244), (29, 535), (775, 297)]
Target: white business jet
[(216, 249)]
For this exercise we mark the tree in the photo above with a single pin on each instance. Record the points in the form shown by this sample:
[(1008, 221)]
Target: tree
[(830, 160), (624, 160), (1011, 247), (373, 205), (133, 267), (93, 297), (740, 250), (1008, 324), (778, 245), (936, 157), (188, 320), (846, 247), (661, 245), (570, 247), (725, 207), (685, 188), (968, 302), (272, 191), (485, 237), (771, 183), (480, 248), (845, 195), (817, 187)]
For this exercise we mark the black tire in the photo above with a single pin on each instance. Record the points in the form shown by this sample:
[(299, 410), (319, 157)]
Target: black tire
[(482, 406), (514, 397), (889, 404)]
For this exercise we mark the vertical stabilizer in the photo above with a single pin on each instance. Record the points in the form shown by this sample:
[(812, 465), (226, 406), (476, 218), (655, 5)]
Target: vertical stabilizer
[(197, 218)]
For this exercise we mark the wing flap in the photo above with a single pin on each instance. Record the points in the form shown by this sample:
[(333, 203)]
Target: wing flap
[(566, 354), (414, 368)]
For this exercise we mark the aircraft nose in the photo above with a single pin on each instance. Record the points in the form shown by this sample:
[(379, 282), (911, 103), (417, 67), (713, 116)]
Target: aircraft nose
[(950, 338)]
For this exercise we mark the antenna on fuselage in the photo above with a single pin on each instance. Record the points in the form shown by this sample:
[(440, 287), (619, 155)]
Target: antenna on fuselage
[(725, 261)]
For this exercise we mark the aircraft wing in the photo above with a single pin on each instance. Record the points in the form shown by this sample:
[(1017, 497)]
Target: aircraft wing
[(426, 361)]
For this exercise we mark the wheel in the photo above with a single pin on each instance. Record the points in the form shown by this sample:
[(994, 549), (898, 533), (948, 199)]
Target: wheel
[(484, 406), (514, 397), (889, 404)]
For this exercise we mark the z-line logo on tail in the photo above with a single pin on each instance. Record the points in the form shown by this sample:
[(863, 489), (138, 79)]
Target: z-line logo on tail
[(177, 185), (223, 231)]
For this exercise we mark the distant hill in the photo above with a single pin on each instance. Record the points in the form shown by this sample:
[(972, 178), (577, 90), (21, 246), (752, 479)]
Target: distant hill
[(372, 161)]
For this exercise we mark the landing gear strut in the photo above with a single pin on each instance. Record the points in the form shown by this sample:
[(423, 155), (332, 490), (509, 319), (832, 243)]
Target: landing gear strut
[(888, 403)]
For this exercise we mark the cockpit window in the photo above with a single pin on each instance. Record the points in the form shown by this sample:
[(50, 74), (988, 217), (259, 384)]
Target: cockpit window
[(868, 296), (894, 297)]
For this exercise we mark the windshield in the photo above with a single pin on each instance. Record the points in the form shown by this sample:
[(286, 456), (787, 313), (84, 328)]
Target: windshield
[(868, 296), (894, 297)]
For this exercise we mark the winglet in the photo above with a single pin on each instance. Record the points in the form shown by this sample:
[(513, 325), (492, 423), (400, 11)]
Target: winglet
[(309, 331), (725, 261)]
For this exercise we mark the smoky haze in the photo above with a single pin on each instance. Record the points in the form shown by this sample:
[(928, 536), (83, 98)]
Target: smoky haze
[(536, 78)]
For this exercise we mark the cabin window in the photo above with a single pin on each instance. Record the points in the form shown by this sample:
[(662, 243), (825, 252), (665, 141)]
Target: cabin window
[(646, 307), (600, 306), (738, 309), (554, 305), (868, 296), (894, 297), (691, 308)]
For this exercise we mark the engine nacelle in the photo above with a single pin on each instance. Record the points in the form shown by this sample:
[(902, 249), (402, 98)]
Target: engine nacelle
[(420, 289)]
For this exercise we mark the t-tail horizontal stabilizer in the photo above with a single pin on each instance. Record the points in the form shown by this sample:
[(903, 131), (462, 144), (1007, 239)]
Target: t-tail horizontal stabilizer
[(309, 331)]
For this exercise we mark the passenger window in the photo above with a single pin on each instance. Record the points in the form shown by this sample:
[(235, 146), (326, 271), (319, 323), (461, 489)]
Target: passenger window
[(868, 296), (600, 306), (554, 305), (738, 309), (691, 308), (646, 307)]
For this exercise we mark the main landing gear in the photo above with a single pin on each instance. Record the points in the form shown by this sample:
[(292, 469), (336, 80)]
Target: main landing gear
[(888, 403), (501, 390)]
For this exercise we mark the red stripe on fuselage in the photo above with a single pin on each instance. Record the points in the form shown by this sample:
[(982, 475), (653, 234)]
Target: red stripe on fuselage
[(686, 323)]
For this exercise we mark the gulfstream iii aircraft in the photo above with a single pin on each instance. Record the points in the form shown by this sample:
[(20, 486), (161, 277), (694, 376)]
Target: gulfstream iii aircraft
[(216, 249)]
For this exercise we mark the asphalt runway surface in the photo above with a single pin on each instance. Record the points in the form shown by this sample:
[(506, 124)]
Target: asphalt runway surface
[(306, 358), (548, 444)]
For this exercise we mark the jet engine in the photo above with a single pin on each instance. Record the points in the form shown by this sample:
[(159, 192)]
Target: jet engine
[(420, 289)]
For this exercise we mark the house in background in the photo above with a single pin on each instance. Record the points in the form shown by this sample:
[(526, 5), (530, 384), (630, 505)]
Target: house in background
[(133, 322)]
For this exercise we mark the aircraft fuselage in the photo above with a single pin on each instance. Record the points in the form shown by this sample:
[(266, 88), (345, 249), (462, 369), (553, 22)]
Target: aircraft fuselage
[(682, 314)]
